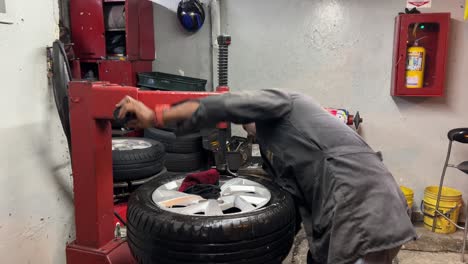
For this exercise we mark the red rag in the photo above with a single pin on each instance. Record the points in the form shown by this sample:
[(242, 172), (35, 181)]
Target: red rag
[(204, 177)]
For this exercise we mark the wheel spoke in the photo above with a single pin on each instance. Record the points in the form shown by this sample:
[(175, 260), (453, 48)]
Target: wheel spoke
[(238, 185), (243, 205), (213, 208), (194, 208), (169, 198), (227, 202), (253, 198)]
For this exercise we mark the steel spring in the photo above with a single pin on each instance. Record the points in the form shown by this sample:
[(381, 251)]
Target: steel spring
[(223, 65)]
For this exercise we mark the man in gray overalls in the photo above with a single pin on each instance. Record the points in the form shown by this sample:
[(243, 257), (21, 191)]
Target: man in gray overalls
[(351, 206)]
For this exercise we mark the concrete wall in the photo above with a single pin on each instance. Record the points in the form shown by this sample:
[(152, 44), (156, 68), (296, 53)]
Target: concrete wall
[(36, 210), (340, 52)]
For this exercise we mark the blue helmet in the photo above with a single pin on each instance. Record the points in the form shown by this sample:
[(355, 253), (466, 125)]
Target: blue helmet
[(191, 15)]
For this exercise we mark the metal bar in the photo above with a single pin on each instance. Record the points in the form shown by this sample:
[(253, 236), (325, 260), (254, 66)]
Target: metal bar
[(464, 234), (441, 184), (153, 98), (448, 219)]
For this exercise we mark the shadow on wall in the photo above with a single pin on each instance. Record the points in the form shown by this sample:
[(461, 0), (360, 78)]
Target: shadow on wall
[(51, 147)]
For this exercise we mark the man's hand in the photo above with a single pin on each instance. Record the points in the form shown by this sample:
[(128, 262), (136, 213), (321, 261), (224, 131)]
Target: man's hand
[(144, 115)]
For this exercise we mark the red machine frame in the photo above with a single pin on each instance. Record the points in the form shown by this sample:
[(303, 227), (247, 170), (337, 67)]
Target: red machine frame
[(91, 108), (88, 29), (89, 38)]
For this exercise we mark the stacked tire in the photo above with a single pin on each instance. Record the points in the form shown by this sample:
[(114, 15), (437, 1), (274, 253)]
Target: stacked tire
[(184, 153), (134, 162)]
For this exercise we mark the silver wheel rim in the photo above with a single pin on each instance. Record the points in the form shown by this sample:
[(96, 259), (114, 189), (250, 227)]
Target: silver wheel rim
[(237, 196), (129, 144)]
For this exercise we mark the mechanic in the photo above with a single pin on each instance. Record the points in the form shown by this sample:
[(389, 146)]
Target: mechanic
[(351, 206)]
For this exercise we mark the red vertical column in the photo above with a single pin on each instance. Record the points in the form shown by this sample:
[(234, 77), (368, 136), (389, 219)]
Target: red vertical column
[(92, 169)]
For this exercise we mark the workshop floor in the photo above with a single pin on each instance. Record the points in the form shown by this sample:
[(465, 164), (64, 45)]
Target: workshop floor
[(429, 249)]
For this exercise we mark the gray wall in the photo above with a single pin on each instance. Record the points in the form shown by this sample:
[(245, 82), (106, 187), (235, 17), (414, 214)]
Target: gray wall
[(340, 52), (36, 201)]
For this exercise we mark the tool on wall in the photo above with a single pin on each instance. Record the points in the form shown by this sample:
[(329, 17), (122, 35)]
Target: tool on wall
[(346, 117)]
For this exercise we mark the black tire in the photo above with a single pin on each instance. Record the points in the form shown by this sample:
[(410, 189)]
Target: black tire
[(137, 164), (183, 162), (173, 143), (159, 236), (122, 190)]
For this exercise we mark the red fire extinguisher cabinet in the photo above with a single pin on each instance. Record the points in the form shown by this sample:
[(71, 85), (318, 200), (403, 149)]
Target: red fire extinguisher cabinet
[(433, 30)]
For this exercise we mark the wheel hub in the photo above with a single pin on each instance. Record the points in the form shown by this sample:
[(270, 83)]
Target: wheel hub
[(129, 144), (237, 196)]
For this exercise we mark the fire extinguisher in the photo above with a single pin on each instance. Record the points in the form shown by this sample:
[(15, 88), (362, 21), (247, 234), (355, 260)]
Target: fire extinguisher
[(415, 65)]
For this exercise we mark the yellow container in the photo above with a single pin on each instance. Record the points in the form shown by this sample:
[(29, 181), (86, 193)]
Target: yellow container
[(449, 205), (409, 195)]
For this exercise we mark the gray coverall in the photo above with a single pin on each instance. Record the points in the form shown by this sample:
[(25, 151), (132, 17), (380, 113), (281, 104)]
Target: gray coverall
[(350, 204)]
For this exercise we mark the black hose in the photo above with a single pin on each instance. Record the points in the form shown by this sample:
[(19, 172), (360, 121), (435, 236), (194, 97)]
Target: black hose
[(120, 218), (65, 58), (60, 86)]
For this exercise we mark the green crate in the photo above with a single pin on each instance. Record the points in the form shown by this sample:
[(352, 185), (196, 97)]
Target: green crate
[(170, 82)]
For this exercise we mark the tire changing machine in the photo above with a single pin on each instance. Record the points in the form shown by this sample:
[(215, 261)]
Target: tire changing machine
[(92, 105)]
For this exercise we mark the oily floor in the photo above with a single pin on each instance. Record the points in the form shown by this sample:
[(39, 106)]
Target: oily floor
[(299, 251)]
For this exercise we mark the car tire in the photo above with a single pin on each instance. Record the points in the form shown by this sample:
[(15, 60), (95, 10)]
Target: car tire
[(173, 143), (136, 162), (156, 235), (122, 190), (176, 162)]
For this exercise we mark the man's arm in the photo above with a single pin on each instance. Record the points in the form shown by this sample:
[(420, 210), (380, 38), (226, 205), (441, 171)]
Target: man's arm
[(240, 108), (244, 107)]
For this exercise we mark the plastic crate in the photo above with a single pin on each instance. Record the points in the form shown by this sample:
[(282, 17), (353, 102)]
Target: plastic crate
[(169, 82)]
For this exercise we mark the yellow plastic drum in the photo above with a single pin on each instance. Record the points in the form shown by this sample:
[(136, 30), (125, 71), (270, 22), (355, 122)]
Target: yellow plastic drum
[(450, 204), (409, 195)]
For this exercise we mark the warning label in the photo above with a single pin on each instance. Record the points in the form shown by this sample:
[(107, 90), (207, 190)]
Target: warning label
[(418, 3)]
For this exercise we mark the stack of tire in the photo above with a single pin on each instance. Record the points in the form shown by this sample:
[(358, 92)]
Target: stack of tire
[(135, 161), (184, 153)]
